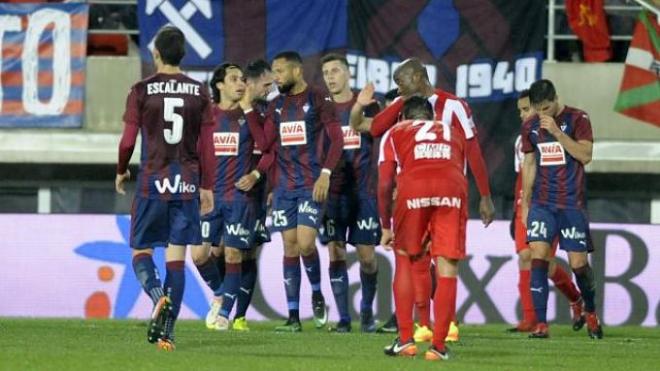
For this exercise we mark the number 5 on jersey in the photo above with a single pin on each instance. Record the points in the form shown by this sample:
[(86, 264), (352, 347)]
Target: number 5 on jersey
[(174, 135)]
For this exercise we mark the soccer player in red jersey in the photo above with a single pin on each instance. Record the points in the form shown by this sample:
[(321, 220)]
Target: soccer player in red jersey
[(427, 158), (351, 214), (233, 224), (557, 274), (557, 143), (173, 113), (308, 143)]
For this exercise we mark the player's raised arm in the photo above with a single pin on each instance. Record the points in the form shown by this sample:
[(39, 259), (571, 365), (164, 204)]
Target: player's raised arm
[(386, 118), (582, 147), (358, 121)]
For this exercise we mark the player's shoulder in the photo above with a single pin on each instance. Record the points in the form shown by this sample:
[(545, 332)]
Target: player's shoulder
[(576, 113), (319, 94), (444, 96)]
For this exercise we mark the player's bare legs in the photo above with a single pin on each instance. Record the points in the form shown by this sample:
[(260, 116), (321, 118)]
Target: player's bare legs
[(368, 279), (444, 305), (306, 238), (539, 286), (585, 279), (291, 273)]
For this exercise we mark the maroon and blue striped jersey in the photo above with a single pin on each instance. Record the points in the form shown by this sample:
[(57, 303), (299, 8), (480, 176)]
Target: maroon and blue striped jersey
[(307, 138), (560, 179), (173, 114)]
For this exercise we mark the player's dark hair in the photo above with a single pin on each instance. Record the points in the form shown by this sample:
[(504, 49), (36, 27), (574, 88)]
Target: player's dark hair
[(524, 94), (417, 108), (289, 56), (392, 94), (219, 75), (254, 69), (334, 57), (171, 45), (542, 90)]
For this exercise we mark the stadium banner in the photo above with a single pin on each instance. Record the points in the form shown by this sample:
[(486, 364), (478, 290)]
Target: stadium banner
[(486, 51), (80, 266), (42, 65)]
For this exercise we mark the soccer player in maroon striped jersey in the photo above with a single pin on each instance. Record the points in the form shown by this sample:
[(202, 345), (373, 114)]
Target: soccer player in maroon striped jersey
[(173, 113), (232, 226), (557, 142)]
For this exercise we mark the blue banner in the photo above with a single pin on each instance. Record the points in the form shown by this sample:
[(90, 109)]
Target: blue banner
[(42, 64)]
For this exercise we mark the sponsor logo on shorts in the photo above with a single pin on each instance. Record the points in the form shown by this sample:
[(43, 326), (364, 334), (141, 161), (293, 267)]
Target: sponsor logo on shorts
[(433, 151), (237, 230), (573, 234), (367, 224), (420, 202), (178, 186), (306, 208)]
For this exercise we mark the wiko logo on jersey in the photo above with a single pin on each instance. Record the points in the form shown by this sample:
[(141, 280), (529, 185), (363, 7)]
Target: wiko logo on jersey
[(179, 186), (420, 202), (237, 230), (225, 144), (352, 139), (368, 224), (306, 208), (573, 234), (293, 133), (552, 154), (432, 151)]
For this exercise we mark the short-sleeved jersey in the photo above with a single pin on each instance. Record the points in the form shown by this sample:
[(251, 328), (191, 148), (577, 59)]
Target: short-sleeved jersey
[(170, 110), (357, 172), (560, 179), (233, 144), (425, 151), (301, 142)]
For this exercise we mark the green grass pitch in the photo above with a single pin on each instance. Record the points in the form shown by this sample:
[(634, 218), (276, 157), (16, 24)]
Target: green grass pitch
[(50, 344)]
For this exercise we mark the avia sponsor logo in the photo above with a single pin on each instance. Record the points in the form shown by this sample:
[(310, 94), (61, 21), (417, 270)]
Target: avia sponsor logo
[(237, 230), (573, 234), (293, 133), (420, 202), (552, 154), (433, 151), (352, 139), (225, 144), (178, 186), (368, 224), (379, 71), (306, 208)]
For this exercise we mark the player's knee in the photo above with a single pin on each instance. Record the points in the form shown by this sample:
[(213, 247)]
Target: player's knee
[(336, 251), (199, 255), (577, 260), (232, 256), (524, 258), (446, 267)]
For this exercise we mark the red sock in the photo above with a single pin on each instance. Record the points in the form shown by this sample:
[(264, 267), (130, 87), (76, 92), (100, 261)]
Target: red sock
[(444, 308), (404, 296), (564, 283), (423, 288), (524, 288)]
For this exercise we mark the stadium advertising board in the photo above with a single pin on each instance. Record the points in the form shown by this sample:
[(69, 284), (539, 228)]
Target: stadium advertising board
[(42, 64), (484, 51), (80, 266)]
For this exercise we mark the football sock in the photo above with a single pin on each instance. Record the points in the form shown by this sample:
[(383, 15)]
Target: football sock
[(232, 285), (404, 296), (524, 285), (444, 305), (585, 280), (147, 274), (339, 283), (313, 268), (220, 263), (248, 281), (209, 273), (564, 283), (291, 270), (368, 281), (175, 282), (539, 288), (423, 286)]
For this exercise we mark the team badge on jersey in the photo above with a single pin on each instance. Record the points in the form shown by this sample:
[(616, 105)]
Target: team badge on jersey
[(552, 154), (225, 144), (293, 133), (352, 139)]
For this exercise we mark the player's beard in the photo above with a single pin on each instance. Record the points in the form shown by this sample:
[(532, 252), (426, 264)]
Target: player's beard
[(286, 88)]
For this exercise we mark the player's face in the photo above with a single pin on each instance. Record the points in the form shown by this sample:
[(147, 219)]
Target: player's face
[(336, 76), (283, 74), (405, 81), (233, 87), (547, 107), (261, 86), (524, 109)]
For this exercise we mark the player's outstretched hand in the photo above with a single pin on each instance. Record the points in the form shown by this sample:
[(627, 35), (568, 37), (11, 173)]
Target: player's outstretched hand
[(246, 182), (119, 182), (387, 239), (206, 201), (486, 210), (321, 186), (366, 95)]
